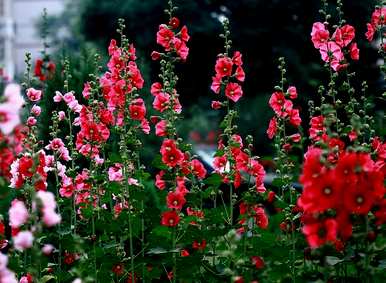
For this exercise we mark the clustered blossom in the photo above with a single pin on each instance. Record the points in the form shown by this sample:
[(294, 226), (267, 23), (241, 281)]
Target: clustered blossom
[(377, 23), (352, 186), (254, 212), (44, 70), (332, 48), (5, 274), (10, 108), (229, 74), (285, 113)]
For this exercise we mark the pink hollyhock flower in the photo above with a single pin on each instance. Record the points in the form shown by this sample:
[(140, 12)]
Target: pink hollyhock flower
[(13, 95), (344, 35), (156, 88), (36, 110), (47, 249), (370, 32), (115, 173), (198, 169), (354, 51), (18, 214), (61, 115), (69, 97), (47, 199), (86, 90), (155, 55), (160, 128), (50, 217), (58, 97), (295, 119), (240, 74), (319, 35), (223, 67), (233, 91), (9, 117), (34, 95), (237, 58), (175, 200), (272, 128), (67, 190), (331, 51), (295, 137), (31, 121), (279, 104), (379, 16), (23, 240), (216, 84), (181, 48), (145, 126), (159, 182), (161, 101), (292, 92), (184, 34)]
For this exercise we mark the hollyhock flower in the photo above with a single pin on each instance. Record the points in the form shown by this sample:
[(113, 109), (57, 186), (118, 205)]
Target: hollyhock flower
[(181, 49), (171, 155), (292, 92), (145, 126), (279, 104), (115, 173), (164, 36), (198, 169), (223, 67), (258, 262), (319, 34), (272, 128), (379, 16), (312, 167), (219, 163), (319, 233), (170, 218), (330, 52), (155, 55), (199, 245), (216, 104), (317, 127), (118, 269), (50, 217), (184, 34), (237, 58), (295, 137), (67, 190), (34, 95), (354, 51), (161, 128), (47, 199), (174, 22), (156, 89), (257, 170), (344, 35), (31, 121), (18, 214), (36, 110), (261, 217), (61, 115), (161, 101), (159, 182), (294, 116), (370, 32), (23, 240), (352, 135), (175, 200), (9, 117), (240, 74), (12, 94), (216, 84), (137, 109), (184, 253), (58, 97), (233, 91)]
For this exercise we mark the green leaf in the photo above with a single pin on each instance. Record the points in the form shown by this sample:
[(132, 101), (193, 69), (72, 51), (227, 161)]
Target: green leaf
[(332, 260), (157, 162), (47, 278)]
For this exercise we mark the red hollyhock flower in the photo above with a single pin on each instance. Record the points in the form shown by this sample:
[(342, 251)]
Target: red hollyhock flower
[(171, 155), (354, 51), (198, 169), (319, 233), (258, 262), (216, 84), (174, 22), (223, 67), (294, 116), (279, 104), (233, 91), (216, 104), (240, 74), (175, 200), (137, 109), (118, 269), (161, 101), (344, 35), (313, 168), (184, 253), (237, 58), (170, 218), (261, 218), (317, 127), (379, 16), (164, 37), (292, 92), (370, 32), (25, 166), (272, 128), (199, 245), (184, 34), (156, 88)]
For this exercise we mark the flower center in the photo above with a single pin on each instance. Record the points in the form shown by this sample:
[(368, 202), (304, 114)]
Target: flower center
[(327, 191), (360, 199)]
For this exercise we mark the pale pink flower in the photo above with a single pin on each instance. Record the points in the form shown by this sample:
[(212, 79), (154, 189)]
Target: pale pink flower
[(18, 214), (69, 97), (160, 128), (31, 121), (9, 117), (50, 217), (47, 199), (36, 110), (23, 240), (34, 94), (58, 97), (13, 95), (115, 173), (61, 115)]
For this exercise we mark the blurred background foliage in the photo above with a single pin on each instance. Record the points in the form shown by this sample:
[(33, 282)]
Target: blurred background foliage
[(262, 30)]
